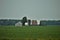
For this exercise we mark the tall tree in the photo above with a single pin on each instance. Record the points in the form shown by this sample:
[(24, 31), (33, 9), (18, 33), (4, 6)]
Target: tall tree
[(24, 20)]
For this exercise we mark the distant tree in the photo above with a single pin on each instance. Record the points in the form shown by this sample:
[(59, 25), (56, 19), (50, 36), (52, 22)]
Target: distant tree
[(24, 20), (29, 22)]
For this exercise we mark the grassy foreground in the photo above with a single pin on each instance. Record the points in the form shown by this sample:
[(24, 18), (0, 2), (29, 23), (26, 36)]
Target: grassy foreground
[(29, 33)]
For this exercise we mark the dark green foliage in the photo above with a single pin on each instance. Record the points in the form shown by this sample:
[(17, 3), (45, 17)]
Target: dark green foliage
[(24, 20), (29, 22)]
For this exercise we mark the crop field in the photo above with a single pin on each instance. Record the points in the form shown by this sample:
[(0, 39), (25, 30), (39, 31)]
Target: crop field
[(29, 32)]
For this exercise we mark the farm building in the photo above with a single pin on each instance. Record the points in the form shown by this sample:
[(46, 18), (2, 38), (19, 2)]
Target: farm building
[(18, 24)]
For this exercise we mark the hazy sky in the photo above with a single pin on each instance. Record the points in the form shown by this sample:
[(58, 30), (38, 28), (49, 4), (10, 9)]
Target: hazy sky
[(33, 9)]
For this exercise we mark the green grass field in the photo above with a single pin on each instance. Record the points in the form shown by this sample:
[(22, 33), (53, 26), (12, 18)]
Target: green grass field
[(30, 33)]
